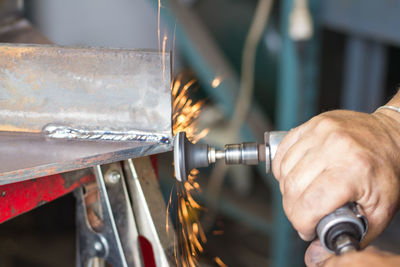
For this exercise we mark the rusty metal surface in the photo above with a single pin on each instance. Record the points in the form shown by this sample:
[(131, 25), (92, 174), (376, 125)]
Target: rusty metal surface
[(84, 88), (26, 156)]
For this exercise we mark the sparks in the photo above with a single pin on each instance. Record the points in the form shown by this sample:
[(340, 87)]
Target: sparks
[(159, 24), (216, 82), (220, 262), (190, 233), (218, 232), (164, 44)]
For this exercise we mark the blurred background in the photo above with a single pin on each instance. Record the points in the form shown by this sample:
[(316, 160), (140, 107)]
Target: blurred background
[(300, 58)]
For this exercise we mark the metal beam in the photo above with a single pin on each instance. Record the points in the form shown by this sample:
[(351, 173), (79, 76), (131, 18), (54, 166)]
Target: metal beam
[(85, 93)]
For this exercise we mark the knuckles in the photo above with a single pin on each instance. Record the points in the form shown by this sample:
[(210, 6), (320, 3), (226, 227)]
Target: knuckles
[(350, 158), (324, 123)]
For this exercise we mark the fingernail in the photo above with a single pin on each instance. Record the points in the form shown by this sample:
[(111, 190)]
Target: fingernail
[(301, 236), (317, 259), (316, 255), (304, 237)]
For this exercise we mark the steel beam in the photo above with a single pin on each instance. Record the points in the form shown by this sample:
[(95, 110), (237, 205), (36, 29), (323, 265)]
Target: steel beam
[(89, 93)]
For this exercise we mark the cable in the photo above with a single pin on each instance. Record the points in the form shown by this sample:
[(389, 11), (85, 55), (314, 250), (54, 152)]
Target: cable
[(253, 38), (244, 98)]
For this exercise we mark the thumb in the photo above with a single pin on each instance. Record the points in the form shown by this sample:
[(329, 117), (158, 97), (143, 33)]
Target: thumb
[(316, 254)]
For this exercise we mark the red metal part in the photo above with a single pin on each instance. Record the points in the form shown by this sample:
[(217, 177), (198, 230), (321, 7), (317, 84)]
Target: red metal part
[(147, 252), (18, 198)]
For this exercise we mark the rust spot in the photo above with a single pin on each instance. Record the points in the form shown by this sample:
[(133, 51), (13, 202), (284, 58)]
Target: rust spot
[(71, 177), (16, 53), (12, 128)]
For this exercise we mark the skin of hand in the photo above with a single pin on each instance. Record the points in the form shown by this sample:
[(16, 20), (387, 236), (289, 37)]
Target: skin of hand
[(369, 257), (335, 158)]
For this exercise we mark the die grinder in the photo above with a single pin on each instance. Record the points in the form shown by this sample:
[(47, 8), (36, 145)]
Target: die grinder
[(339, 232)]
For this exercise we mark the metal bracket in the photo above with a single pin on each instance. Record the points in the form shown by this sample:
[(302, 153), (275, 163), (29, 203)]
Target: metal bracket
[(117, 242)]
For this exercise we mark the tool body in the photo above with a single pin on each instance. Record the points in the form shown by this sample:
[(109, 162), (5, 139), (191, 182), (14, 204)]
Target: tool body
[(339, 232)]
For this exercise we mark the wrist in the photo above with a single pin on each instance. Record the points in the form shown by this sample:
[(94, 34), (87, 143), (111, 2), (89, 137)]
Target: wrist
[(389, 115), (390, 111), (390, 122)]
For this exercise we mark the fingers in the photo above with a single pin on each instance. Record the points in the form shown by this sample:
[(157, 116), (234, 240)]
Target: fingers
[(302, 134), (290, 139), (368, 257), (324, 195), (316, 254), (302, 170), (296, 153), (333, 159)]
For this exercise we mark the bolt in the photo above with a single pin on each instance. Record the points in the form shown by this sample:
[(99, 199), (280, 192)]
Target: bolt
[(98, 246), (3, 194), (113, 177)]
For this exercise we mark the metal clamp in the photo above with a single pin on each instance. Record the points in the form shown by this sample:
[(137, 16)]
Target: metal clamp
[(117, 241)]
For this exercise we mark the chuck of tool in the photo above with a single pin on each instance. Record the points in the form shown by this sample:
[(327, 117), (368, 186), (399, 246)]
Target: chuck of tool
[(244, 153), (188, 156)]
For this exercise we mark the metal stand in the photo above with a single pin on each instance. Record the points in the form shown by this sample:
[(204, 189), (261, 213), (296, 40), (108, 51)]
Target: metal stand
[(126, 213)]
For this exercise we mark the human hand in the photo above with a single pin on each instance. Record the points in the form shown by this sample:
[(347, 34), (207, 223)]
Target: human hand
[(336, 158), (368, 257)]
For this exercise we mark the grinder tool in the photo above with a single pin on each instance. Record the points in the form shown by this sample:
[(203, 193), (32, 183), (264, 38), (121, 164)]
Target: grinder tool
[(339, 232)]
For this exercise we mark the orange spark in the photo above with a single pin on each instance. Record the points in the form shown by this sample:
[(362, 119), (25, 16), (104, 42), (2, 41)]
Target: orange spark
[(197, 186), (218, 232), (220, 262), (163, 53), (190, 233), (167, 217), (195, 228), (216, 82)]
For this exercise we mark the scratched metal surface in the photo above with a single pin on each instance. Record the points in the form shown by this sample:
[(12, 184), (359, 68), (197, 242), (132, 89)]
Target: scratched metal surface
[(26, 156), (83, 88)]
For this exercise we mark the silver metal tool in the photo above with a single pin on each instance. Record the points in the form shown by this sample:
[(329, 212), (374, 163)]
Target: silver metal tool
[(339, 232)]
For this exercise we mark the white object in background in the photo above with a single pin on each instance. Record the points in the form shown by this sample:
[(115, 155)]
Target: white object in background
[(300, 23)]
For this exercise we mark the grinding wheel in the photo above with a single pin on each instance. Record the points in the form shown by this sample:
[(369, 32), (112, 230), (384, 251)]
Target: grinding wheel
[(188, 156)]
